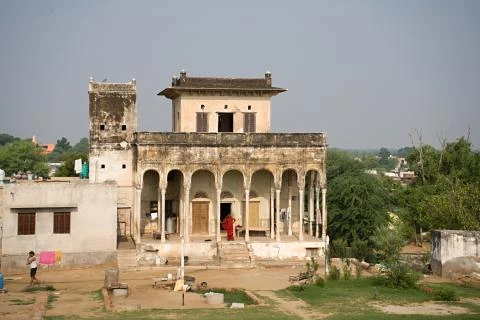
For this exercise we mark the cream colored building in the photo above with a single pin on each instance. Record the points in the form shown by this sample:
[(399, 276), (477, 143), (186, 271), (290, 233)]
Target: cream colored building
[(73, 221), (221, 157)]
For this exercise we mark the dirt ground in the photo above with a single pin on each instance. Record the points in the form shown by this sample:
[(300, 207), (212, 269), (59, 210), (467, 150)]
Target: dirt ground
[(77, 292)]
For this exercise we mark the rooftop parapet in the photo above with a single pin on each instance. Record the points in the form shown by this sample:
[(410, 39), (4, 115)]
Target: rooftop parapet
[(232, 139), (96, 86)]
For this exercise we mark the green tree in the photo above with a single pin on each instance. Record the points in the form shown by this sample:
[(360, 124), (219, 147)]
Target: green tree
[(6, 138), (61, 147), (357, 203), (384, 155), (82, 146), (23, 156), (68, 167), (340, 162)]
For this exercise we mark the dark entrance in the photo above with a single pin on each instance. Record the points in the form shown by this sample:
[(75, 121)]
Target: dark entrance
[(225, 208), (225, 122)]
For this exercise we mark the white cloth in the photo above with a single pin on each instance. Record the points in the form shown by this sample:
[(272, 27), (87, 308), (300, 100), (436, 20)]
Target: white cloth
[(33, 264), (78, 166)]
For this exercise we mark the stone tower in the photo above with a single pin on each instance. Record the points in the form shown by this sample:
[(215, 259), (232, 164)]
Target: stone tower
[(113, 122)]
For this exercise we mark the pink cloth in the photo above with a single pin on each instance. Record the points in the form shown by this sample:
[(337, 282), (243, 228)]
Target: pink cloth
[(47, 257)]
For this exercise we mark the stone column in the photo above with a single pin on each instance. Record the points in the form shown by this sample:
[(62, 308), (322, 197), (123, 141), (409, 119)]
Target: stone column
[(159, 206), (317, 211), (301, 192), (138, 214), (186, 206), (247, 214), (289, 209), (163, 191), (277, 214), (186, 213), (272, 213), (310, 203), (324, 213), (217, 223)]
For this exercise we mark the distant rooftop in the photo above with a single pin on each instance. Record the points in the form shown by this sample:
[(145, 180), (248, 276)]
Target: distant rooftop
[(211, 85)]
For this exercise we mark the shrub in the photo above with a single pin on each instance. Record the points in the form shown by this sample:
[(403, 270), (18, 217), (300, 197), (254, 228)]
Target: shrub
[(319, 281), (347, 270), (445, 294), (297, 288), (338, 248), (334, 273), (360, 249), (398, 275)]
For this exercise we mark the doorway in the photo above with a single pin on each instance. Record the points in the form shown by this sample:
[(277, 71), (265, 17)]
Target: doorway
[(225, 122), (253, 217), (200, 217), (225, 209)]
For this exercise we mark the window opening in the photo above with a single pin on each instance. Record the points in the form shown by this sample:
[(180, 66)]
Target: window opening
[(124, 127), (61, 222), (26, 223), (225, 122)]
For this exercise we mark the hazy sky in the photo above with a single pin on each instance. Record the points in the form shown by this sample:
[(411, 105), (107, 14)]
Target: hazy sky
[(365, 72)]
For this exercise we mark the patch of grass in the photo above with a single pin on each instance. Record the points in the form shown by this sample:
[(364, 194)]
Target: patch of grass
[(231, 295), (20, 302), (50, 300), (250, 313), (39, 288), (350, 299), (98, 294), (461, 290)]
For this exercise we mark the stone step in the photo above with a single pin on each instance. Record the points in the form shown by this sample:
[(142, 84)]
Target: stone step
[(127, 259)]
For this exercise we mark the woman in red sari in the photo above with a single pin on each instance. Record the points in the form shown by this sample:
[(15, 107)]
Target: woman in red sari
[(228, 224)]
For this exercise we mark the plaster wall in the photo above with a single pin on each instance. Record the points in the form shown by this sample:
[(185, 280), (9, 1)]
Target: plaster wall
[(93, 218), (114, 162), (450, 245), (187, 107), (285, 250)]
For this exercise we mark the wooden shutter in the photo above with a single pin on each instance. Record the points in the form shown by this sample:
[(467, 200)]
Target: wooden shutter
[(202, 122), (249, 122), (26, 223), (61, 222)]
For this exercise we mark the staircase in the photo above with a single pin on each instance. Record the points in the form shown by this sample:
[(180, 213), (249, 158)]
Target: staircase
[(127, 259), (234, 254)]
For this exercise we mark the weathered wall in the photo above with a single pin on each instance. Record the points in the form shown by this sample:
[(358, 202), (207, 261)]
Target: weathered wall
[(113, 122), (93, 218), (188, 106), (285, 250), (455, 252)]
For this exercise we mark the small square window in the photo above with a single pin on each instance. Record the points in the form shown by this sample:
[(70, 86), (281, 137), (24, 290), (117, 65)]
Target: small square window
[(102, 166), (202, 106), (124, 127), (249, 107), (124, 166), (102, 127), (226, 107)]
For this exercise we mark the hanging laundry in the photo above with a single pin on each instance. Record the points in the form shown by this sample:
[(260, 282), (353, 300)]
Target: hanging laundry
[(47, 257)]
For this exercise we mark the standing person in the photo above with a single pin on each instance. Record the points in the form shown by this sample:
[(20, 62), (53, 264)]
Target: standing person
[(32, 261), (227, 224)]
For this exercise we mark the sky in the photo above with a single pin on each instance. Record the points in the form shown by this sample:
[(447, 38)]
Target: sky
[(368, 73)]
